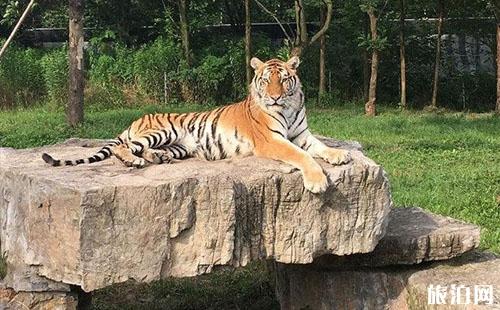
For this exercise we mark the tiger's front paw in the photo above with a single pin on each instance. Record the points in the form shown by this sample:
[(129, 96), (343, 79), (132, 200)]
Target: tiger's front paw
[(337, 156), (316, 181)]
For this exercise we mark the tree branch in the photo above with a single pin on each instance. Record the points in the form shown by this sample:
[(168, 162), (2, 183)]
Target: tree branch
[(21, 19), (302, 38), (326, 24), (275, 18)]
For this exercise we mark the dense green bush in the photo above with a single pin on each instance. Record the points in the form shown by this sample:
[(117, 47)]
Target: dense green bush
[(21, 80), (119, 75), (215, 78), (109, 75), (153, 64), (55, 74)]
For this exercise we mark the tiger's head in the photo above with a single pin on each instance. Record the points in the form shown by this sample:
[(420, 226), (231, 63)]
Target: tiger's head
[(276, 85)]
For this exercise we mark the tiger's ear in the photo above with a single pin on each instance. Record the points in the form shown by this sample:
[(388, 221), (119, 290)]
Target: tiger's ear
[(256, 63), (293, 62)]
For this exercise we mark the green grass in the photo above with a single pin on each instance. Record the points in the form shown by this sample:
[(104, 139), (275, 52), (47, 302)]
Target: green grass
[(3, 264), (448, 163), (37, 127), (245, 288)]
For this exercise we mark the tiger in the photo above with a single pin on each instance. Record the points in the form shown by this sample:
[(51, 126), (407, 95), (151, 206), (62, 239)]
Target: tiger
[(270, 123)]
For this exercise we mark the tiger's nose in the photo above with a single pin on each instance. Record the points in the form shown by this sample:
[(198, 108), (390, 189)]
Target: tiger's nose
[(276, 98)]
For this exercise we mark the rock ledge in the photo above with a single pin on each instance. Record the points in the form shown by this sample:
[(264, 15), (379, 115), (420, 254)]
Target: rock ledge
[(100, 224)]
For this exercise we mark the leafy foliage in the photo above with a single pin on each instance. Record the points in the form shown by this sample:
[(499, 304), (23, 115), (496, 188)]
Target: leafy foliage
[(55, 74), (134, 54), (21, 80)]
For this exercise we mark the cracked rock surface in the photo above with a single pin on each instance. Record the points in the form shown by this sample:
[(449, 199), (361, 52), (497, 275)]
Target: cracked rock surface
[(413, 236), (95, 225), (394, 287), (394, 276)]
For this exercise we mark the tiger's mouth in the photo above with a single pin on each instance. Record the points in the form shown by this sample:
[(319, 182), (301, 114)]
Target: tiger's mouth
[(275, 104)]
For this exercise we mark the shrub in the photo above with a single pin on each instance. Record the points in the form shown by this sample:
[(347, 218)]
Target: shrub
[(105, 85), (21, 79), (104, 95), (205, 80), (55, 73), (155, 62), (110, 73), (109, 61), (215, 79)]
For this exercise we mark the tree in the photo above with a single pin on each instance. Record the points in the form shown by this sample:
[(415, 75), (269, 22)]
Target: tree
[(375, 44), (184, 28), (496, 10), (370, 106), (497, 105), (366, 60), (402, 53), (248, 41), (302, 40), (322, 52), (435, 82), (74, 113)]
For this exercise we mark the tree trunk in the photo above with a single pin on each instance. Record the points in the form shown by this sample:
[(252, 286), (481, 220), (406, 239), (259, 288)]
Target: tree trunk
[(184, 32), (435, 82), (366, 61), (402, 54), (74, 111), (300, 18), (248, 41), (370, 106), (322, 52), (302, 40), (496, 10), (497, 108)]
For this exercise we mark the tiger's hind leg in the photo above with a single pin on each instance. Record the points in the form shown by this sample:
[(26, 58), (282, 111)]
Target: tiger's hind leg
[(167, 153), (124, 153), (155, 147)]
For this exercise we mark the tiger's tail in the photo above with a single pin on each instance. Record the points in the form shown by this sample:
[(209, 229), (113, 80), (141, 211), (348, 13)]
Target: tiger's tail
[(102, 154)]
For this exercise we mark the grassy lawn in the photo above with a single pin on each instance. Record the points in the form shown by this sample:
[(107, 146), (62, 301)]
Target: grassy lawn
[(448, 163)]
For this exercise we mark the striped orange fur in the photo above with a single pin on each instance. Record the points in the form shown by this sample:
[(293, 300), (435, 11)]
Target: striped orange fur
[(271, 123)]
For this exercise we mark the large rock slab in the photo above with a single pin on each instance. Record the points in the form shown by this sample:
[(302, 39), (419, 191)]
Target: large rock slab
[(413, 236), (462, 283), (104, 223)]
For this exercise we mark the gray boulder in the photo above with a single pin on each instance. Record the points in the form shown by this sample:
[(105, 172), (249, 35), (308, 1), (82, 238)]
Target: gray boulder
[(377, 280), (96, 225)]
